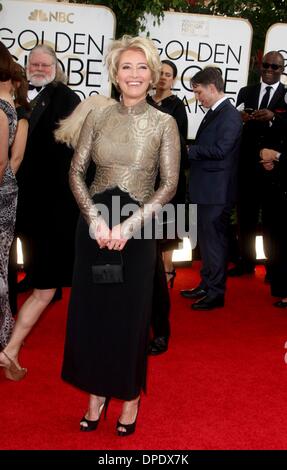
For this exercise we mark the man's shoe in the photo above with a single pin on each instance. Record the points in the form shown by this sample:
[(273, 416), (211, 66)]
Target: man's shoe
[(158, 345), (280, 304), (208, 303), (196, 293), (240, 271)]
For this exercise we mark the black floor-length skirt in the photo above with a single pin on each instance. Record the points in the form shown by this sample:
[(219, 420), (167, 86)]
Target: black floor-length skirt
[(108, 325)]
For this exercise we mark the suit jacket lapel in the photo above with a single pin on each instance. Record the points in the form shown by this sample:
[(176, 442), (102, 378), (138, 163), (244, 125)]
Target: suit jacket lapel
[(277, 95), (256, 95), (204, 123), (42, 101), (207, 119)]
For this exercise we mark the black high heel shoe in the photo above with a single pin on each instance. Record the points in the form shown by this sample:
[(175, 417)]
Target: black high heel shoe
[(129, 428), (172, 275), (91, 425)]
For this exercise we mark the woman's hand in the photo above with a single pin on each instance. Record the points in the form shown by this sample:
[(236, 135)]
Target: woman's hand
[(116, 242), (100, 232)]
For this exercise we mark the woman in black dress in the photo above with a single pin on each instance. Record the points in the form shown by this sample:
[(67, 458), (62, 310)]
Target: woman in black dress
[(169, 103), (108, 324)]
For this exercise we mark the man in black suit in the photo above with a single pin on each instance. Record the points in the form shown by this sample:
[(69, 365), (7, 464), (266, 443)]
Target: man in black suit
[(275, 165), (47, 212), (262, 105), (213, 167), (44, 193)]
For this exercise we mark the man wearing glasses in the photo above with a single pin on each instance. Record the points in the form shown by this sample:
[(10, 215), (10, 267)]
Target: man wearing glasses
[(261, 105), (41, 70), (47, 212)]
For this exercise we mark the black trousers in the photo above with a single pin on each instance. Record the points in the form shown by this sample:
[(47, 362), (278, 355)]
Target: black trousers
[(274, 220), (213, 222), (252, 210)]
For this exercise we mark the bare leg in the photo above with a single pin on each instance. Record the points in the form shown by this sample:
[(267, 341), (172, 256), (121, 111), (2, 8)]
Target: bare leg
[(95, 407), (91, 419), (167, 261), (168, 265), (129, 413), (27, 317)]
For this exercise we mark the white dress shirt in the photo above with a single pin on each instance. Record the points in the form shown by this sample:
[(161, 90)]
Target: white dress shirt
[(274, 87)]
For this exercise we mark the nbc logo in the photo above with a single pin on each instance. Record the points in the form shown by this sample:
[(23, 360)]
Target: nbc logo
[(58, 16)]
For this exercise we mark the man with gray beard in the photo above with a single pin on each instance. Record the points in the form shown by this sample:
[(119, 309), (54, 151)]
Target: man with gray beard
[(45, 201)]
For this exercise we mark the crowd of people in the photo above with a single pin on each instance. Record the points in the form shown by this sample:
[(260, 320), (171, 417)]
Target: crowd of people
[(80, 165)]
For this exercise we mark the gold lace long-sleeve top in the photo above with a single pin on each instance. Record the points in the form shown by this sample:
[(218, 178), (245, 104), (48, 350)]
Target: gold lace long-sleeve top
[(128, 145)]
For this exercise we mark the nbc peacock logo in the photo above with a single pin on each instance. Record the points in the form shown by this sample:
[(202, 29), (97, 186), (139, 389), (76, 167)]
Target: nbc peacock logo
[(38, 15), (57, 16)]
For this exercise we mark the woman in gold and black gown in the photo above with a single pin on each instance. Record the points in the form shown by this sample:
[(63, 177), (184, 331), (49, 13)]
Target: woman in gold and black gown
[(108, 325)]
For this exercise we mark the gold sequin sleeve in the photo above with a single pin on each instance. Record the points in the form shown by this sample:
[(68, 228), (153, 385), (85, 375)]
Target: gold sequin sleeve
[(169, 161), (79, 165)]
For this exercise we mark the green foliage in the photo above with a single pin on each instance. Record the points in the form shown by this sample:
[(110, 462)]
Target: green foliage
[(129, 14), (261, 14)]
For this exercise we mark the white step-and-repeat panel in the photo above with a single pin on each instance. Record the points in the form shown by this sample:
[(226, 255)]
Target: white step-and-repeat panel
[(80, 35), (193, 42)]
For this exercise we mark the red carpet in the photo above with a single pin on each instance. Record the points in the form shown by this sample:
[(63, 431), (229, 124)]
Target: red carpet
[(221, 385)]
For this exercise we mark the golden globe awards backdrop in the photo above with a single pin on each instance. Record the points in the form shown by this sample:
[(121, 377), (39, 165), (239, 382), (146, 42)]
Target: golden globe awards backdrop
[(276, 41), (80, 35), (194, 41)]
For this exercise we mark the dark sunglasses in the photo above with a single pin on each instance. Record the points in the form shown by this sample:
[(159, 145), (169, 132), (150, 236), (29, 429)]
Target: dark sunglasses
[(266, 65)]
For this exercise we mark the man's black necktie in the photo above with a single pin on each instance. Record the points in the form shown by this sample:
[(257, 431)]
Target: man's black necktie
[(265, 99), (33, 87), (207, 115)]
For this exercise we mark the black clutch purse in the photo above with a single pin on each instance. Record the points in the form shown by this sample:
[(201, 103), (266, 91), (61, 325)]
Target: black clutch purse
[(108, 273)]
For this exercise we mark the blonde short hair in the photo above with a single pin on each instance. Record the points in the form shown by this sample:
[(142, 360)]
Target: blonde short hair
[(138, 43), (69, 128)]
